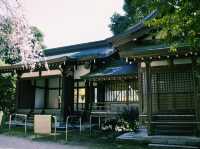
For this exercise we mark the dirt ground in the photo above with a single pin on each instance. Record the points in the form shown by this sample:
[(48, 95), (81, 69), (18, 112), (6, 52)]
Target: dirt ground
[(10, 142)]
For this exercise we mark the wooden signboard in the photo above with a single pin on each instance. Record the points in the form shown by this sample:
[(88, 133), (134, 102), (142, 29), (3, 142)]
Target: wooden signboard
[(42, 124)]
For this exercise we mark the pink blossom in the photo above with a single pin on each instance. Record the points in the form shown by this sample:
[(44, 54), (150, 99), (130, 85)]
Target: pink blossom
[(20, 40)]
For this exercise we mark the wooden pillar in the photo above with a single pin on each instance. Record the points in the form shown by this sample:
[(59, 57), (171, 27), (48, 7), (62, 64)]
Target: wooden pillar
[(26, 94), (92, 90), (158, 93), (100, 92), (196, 97), (46, 93), (141, 94), (127, 91), (87, 95), (67, 107), (18, 90), (77, 95), (148, 95)]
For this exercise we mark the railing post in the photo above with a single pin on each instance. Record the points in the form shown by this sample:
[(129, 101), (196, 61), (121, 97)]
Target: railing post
[(66, 129), (10, 121), (55, 122), (25, 123), (90, 124), (148, 94), (19, 115), (99, 122)]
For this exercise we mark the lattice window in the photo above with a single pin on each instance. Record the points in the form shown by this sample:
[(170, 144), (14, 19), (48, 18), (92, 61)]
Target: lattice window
[(170, 82), (121, 91), (172, 90)]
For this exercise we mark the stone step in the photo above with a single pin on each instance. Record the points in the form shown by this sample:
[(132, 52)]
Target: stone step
[(173, 118), (167, 146)]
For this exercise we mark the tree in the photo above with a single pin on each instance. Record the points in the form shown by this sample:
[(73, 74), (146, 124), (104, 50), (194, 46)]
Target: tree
[(20, 38), (18, 42), (135, 10), (9, 54), (38, 36), (177, 20), (7, 93)]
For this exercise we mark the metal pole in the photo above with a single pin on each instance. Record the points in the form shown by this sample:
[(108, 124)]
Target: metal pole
[(66, 137), (10, 121), (80, 125), (90, 124), (99, 122), (55, 122), (25, 128)]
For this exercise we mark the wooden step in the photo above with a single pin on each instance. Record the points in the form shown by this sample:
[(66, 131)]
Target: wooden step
[(163, 118), (174, 132), (174, 129)]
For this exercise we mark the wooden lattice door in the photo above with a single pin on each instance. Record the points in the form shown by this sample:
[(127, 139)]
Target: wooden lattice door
[(172, 91)]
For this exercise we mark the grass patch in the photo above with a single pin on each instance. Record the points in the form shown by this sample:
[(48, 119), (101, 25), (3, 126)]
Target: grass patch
[(97, 140)]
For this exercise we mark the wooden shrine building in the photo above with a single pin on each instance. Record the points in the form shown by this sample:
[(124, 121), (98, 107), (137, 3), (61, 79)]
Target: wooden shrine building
[(132, 67)]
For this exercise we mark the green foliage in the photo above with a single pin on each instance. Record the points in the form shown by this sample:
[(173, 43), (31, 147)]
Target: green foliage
[(176, 21), (179, 20), (6, 53), (127, 121), (119, 23), (119, 125), (7, 81), (38, 36), (131, 114), (135, 10), (7, 93)]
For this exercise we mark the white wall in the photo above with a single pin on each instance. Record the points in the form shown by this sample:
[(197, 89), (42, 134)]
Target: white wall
[(80, 71), (39, 98)]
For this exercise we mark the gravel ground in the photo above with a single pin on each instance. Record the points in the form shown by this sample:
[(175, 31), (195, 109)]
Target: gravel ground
[(8, 142)]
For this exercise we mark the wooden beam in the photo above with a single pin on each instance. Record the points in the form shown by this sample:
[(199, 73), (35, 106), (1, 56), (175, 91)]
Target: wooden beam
[(196, 98), (92, 92), (67, 107), (46, 92), (148, 95), (87, 95), (77, 95), (101, 91), (141, 96), (18, 88)]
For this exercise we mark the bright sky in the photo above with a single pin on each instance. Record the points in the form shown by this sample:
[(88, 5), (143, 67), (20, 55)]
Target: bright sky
[(66, 22)]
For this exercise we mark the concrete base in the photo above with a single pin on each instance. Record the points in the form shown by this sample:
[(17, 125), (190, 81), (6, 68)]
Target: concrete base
[(141, 136), (158, 146)]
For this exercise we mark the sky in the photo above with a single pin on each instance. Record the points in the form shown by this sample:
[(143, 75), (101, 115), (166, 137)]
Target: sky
[(68, 22)]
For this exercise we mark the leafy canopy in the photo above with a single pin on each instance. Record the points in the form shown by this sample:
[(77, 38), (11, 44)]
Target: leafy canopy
[(177, 20), (21, 39), (135, 10), (10, 54)]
